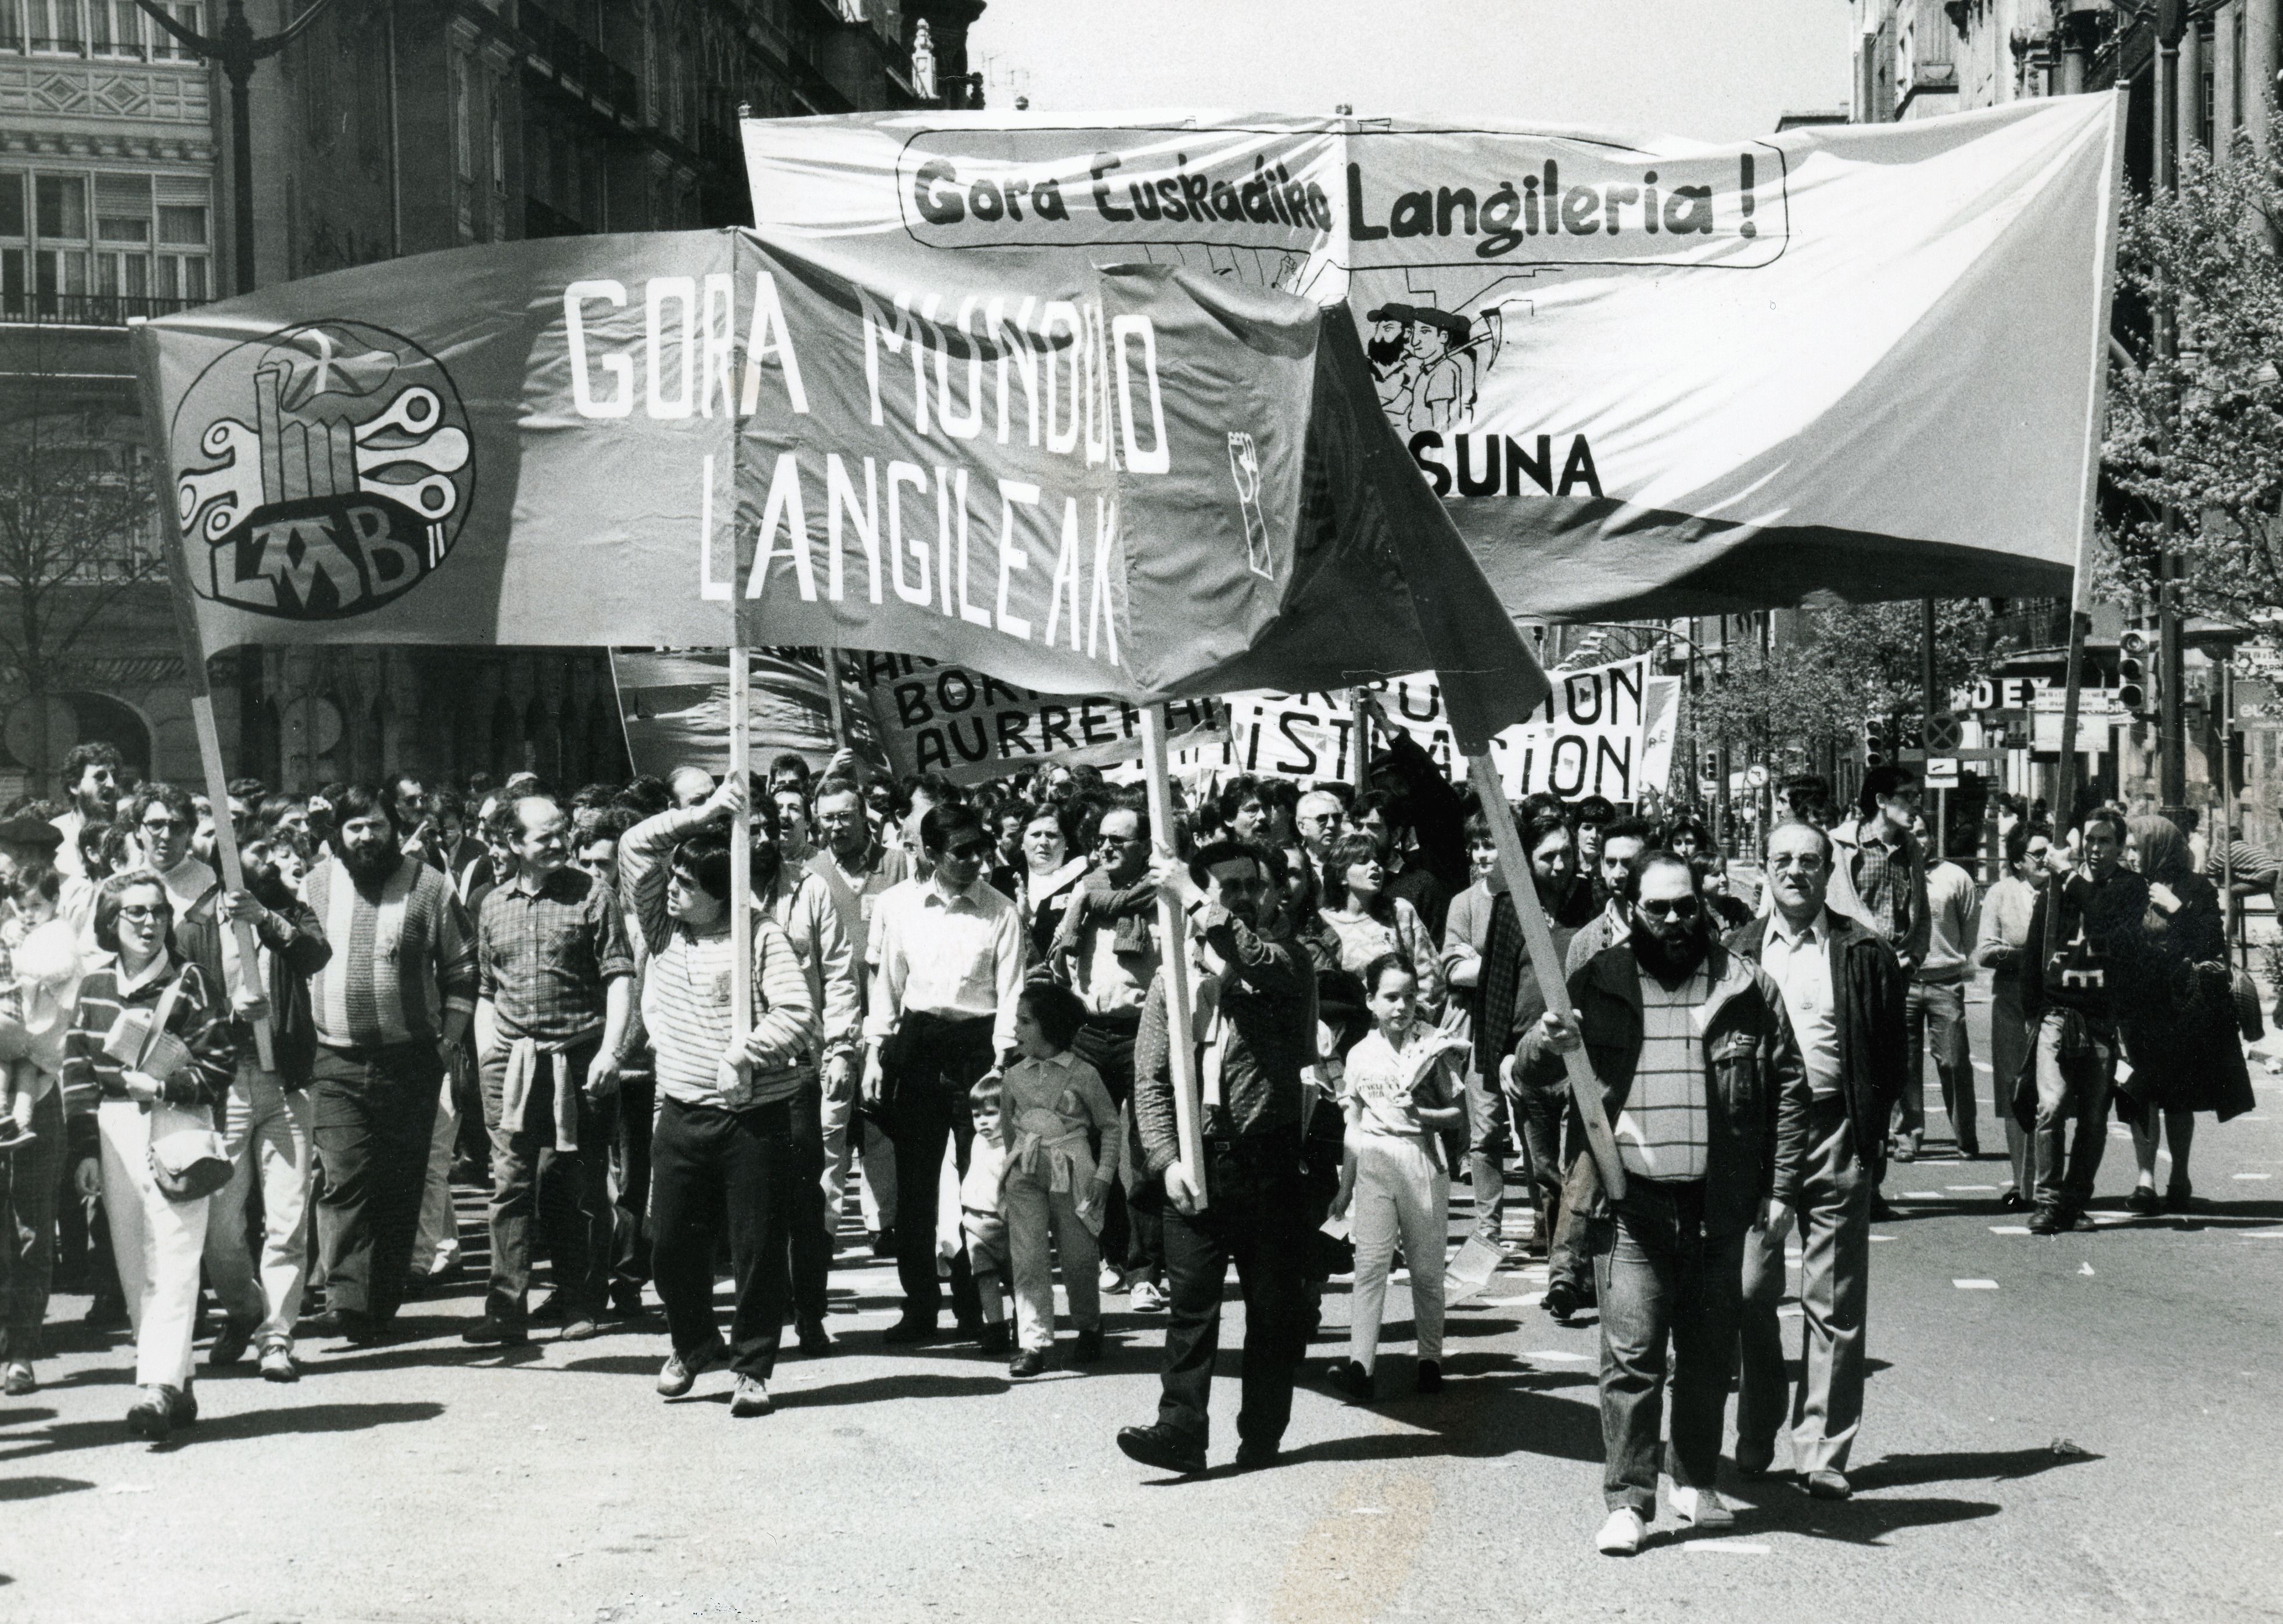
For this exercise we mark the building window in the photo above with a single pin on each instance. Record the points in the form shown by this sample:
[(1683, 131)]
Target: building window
[(94, 28), (103, 246)]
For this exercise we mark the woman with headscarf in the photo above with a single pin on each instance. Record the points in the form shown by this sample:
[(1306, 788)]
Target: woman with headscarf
[(2180, 1032)]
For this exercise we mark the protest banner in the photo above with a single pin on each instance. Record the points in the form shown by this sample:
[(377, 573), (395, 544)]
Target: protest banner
[(1646, 375), (1604, 730), (675, 708), (933, 718)]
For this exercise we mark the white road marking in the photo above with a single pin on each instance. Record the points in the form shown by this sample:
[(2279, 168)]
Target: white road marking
[(1725, 1548), (2009, 1229), (2264, 1234), (1976, 1285), (1882, 1236), (2085, 1268), (1971, 1189), (1560, 1356)]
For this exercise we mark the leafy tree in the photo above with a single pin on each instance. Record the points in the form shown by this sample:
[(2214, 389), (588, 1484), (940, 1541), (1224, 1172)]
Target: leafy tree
[(77, 536)]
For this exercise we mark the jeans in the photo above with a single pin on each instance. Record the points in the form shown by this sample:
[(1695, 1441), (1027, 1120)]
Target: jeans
[(1834, 1291), (571, 1188), (1542, 1109), (712, 1171), (1488, 1143), (631, 1177), (31, 1187), (1399, 1190), (1036, 1215), (1665, 1282), (931, 1064), (374, 1113), (267, 1127), (438, 1240), (2011, 1042), (811, 1236), (1938, 1008), (2072, 1089), (157, 1242), (1257, 1219)]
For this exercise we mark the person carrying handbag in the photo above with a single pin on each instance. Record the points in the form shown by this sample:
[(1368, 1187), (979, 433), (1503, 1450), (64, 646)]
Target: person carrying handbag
[(153, 1040)]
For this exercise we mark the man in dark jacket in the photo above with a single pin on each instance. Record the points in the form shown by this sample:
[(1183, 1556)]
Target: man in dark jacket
[(1844, 993), (2088, 955), (1254, 1032), (1701, 1082)]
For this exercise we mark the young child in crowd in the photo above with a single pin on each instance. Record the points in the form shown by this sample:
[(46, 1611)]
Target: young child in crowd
[(979, 1221), (35, 1006), (1054, 1119), (1401, 1088)]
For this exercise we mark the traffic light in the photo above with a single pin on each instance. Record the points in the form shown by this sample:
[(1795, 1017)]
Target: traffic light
[(1878, 742), (2136, 687), (1712, 764)]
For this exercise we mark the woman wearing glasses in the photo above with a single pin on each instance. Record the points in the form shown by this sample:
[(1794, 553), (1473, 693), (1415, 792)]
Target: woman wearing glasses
[(157, 1240)]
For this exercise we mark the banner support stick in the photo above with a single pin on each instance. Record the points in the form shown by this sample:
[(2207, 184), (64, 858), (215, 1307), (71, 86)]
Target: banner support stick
[(202, 711), (741, 843), (834, 701), (1174, 959), (1513, 864)]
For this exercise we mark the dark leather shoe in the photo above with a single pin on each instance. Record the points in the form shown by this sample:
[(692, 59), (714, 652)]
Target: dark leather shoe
[(994, 1338), (815, 1341), (1252, 1457), (1352, 1378), (1160, 1446), (357, 1329), (910, 1328), (488, 1331), (1431, 1376), (1561, 1302), (1028, 1363), (186, 1403), (151, 1417), (1754, 1465), (551, 1311), (2048, 1220), (1829, 1485), (230, 1343), (2143, 1200), (1088, 1348)]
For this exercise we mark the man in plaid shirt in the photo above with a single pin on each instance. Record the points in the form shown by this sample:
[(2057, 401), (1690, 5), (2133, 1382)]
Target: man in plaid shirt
[(554, 994), (1698, 1068)]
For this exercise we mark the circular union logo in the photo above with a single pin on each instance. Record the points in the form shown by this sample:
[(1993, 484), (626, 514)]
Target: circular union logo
[(331, 474)]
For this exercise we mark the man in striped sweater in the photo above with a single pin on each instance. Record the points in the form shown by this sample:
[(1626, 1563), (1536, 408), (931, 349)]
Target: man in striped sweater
[(388, 1010)]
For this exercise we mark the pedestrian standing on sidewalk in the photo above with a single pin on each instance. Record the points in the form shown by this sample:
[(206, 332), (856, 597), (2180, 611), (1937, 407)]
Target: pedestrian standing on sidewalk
[(1402, 1088), (2003, 947), (554, 991), (267, 1121), (388, 1009), (1060, 1134), (1844, 992), (2086, 936), (947, 960), (1936, 1009), (2186, 1053), (1702, 1084), (724, 1158), (1252, 1035), (178, 1076)]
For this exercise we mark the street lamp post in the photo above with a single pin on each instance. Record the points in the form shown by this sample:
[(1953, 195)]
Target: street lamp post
[(235, 47)]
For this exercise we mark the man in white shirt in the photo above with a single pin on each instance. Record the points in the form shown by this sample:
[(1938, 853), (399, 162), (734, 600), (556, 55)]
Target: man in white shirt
[(1936, 1015), (946, 957), (90, 778), (1843, 990)]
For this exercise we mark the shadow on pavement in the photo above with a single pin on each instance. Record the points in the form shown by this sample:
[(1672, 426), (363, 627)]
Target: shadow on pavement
[(38, 1489), (1964, 1465), (288, 1421), (1857, 1521), (1483, 1418), (875, 1389)]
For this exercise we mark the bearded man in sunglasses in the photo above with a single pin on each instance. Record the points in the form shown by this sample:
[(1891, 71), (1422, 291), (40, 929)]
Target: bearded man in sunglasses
[(1705, 1092)]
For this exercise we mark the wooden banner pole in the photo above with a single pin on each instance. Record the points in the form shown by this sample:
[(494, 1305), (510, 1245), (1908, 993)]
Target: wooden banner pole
[(834, 701), (1173, 958), (1513, 864), (740, 842)]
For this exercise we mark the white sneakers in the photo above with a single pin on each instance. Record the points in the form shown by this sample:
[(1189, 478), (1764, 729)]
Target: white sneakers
[(1702, 1508), (1622, 1535)]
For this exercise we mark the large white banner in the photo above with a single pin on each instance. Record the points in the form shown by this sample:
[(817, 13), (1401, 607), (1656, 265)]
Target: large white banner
[(1646, 375), (1605, 730)]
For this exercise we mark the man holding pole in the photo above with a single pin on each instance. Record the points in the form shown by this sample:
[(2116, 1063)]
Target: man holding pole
[(1251, 1035)]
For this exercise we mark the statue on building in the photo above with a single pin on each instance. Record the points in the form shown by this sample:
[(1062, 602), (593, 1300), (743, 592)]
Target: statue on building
[(923, 61)]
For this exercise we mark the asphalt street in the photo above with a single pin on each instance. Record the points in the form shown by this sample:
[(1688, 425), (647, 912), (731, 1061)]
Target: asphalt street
[(2079, 1427)]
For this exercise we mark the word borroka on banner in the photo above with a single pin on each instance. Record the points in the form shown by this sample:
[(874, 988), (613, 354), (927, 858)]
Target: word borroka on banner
[(932, 717), (1606, 730), (1082, 479), (1638, 370)]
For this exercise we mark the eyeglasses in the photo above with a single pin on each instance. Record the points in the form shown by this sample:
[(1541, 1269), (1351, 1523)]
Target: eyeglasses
[(161, 825), (968, 849), (1668, 907), (143, 915), (1119, 840)]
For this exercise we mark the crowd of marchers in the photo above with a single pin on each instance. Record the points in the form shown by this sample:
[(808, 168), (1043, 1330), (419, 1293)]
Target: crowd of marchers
[(237, 1114)]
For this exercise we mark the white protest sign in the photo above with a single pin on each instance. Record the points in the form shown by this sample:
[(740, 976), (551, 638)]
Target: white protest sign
[(1605, 730)]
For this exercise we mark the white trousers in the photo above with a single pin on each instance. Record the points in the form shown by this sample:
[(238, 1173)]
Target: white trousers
[(267, 1127), (1034, 1215), (155, 1243), (843, 1136), (438, 1240), (1398, 1191)]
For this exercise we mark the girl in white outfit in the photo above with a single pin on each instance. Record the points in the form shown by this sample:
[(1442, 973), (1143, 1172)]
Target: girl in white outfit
[(1401, 1089)]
